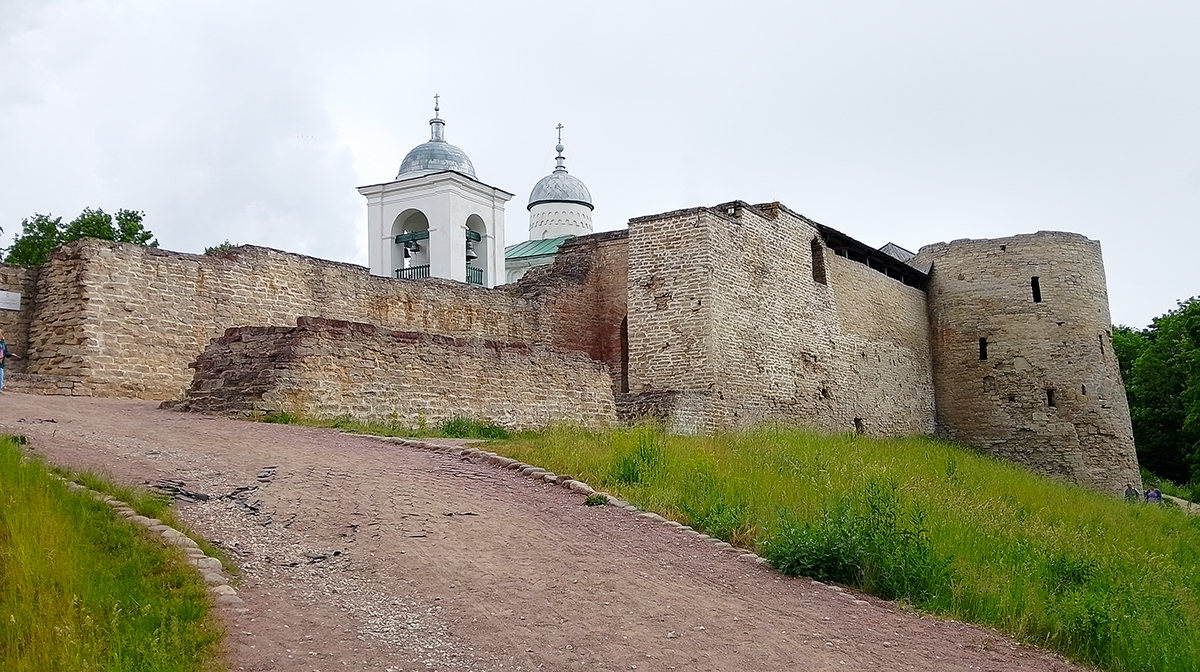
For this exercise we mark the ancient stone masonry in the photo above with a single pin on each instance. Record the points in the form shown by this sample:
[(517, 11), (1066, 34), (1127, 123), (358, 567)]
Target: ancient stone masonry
[(726, 312), (332, 369), (581, 299), (1023, 359), (15, 323), (125, 320)]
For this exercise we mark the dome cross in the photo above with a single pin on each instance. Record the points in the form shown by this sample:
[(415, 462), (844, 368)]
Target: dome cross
[(562, 168)]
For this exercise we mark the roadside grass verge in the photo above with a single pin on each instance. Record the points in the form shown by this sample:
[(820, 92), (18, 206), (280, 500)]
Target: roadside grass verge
[(150, 504), (81, 589), (1104, 582), (460, 427)]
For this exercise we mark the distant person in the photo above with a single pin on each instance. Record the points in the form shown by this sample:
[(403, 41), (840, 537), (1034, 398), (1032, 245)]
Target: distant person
[(1131, 493), (1154, 495), (5, 354)]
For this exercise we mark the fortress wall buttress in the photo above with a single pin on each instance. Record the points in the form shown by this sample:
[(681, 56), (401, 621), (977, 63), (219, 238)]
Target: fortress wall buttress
[(125, 320), (1023, 360), (62, 342)]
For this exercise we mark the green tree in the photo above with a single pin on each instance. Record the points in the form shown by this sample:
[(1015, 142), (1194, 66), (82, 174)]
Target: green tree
[(40, 234), (1161, 370), (130, 229)]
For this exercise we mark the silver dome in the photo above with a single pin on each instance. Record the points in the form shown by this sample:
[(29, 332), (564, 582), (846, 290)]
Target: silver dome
[(558, 187), (436, 155)]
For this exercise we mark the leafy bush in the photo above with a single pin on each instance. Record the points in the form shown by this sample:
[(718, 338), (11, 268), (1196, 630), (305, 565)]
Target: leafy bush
[(221, 249), (40, 234)]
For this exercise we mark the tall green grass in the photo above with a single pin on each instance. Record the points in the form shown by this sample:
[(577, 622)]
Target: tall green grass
[(83, 590), (1102, 581), (459, 427)]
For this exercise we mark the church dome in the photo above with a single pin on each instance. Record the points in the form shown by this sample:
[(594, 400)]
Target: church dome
[(436, 155), (560, 187)]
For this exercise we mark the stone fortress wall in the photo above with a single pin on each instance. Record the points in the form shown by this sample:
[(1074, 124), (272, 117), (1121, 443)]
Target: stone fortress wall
[(330, 369), (123, 320), (15, 323), (710, 318), (730, 326), (1024, 365), (581, 300), (852, 351)]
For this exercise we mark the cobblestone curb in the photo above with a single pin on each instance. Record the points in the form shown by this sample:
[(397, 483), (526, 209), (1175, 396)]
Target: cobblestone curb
[(209, 568), (539, 474)]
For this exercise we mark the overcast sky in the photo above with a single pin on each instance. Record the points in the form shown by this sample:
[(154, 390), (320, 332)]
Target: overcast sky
[(908, 121)]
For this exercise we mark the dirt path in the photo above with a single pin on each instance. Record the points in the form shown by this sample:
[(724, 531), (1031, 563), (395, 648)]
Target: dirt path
[(362, 555)]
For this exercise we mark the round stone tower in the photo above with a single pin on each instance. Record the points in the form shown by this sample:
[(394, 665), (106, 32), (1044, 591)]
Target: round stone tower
[(1023, 360)]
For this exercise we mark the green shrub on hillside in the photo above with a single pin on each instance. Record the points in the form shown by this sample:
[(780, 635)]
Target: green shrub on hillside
[(875, 543)]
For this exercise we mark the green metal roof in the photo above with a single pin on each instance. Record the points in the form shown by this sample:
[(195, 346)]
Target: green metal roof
[(547, 247)]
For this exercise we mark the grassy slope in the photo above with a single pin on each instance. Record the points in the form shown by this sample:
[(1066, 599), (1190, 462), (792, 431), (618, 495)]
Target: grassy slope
[(1102, 581), (82, 590)]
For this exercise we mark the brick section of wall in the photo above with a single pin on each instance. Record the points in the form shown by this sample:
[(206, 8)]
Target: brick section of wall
[(127, 320), (724, 307), (15, 323), (331, 369), (581, 299), (1061, 345)]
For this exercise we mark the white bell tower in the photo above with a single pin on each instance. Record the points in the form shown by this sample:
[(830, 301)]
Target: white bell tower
[(436, 220)]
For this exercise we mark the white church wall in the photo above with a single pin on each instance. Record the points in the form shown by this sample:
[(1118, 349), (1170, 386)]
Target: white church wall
[(554, 219)]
